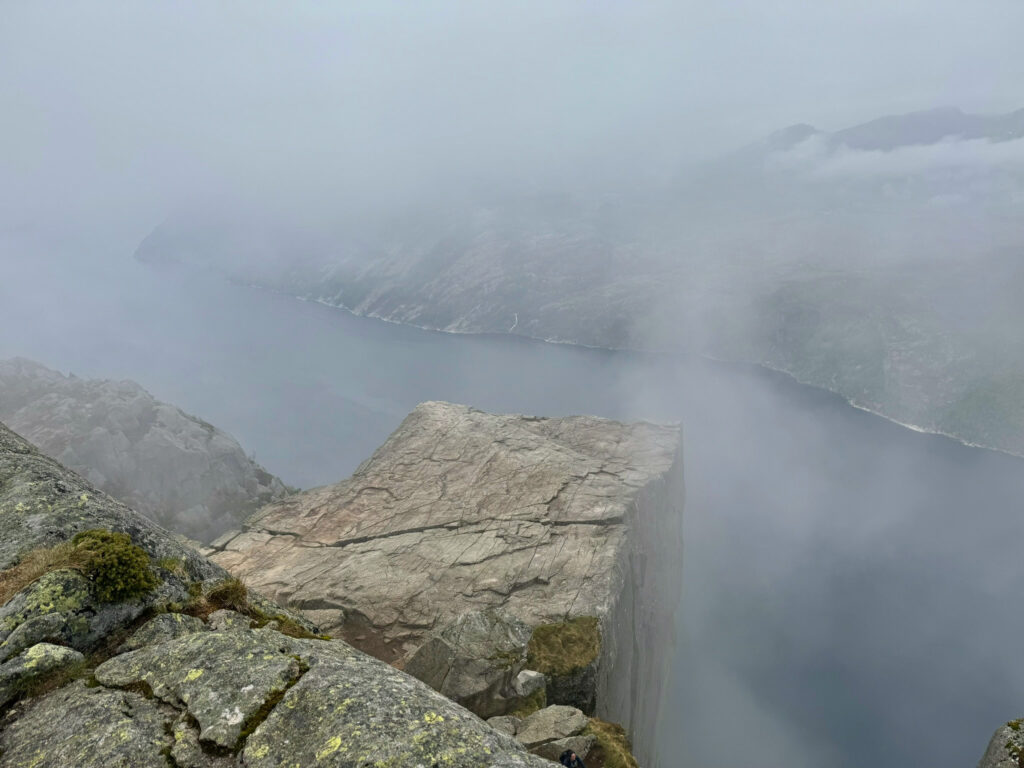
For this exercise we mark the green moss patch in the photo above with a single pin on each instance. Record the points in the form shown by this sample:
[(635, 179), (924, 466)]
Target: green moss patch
[(564, 648), (613, 749)]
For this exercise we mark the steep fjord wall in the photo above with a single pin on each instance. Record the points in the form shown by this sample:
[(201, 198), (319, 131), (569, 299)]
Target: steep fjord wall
[(638, 647)]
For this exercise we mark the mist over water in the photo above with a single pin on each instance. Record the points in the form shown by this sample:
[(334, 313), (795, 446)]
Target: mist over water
[(849, 585)]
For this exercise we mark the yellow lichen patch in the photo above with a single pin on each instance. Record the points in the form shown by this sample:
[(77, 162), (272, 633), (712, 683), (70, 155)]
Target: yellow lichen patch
[(260, 752), (333, 745), (433, 717), (193, 675)]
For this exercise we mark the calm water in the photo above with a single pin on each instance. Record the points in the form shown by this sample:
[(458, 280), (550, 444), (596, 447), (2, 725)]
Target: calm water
[(851, 588)]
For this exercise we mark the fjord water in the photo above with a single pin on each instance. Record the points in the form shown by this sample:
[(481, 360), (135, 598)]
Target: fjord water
[(851, 587)]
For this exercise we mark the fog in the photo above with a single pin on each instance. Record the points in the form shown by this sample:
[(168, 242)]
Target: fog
[(849, 583)]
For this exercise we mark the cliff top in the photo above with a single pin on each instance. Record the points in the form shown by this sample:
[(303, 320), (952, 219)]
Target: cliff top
[(459, 510)]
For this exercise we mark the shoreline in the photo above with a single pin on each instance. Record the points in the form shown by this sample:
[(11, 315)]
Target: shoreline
[(763, 366)]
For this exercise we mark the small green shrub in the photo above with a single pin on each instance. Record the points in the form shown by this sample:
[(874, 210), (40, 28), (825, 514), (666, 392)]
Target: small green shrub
[(561, 649), (118, 569)]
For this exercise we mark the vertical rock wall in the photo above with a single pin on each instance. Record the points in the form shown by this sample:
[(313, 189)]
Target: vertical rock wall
[(638, 632)]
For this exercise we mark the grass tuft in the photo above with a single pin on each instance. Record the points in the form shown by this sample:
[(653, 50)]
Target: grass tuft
[(560, 649), (613, 749)]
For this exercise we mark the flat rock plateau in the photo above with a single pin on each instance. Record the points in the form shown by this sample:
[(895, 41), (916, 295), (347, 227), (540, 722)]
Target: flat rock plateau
[(546, 519)]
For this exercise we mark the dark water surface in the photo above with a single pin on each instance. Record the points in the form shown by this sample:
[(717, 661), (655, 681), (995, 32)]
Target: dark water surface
[(852, 588)]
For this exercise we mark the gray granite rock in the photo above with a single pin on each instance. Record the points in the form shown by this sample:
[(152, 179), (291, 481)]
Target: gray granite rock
[(505, 723), (1005, 748), (225, 620), (193, 697), (459, 510), (222, 679), (36, 663), (551, 724), (527, 683), (475, 661), (160, 629), (48, 626), (174, 468)]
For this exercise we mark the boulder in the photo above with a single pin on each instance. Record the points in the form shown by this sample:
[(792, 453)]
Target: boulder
[(221, 679), (551, 724), (476, 660), (225, 620), (528, 683), (161, 628), (49, 626), (86, 728), (505, 723), (36, 663)]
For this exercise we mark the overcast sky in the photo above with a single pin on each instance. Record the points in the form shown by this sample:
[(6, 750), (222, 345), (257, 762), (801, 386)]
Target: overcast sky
[(120, 112)]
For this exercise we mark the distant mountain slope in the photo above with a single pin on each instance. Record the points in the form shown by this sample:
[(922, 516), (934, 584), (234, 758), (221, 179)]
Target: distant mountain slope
[(175, 468), (882, 262)]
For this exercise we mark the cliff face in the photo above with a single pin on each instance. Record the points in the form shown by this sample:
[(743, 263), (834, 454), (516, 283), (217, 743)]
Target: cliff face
[(156, 679), (459, 510), (174, 468)]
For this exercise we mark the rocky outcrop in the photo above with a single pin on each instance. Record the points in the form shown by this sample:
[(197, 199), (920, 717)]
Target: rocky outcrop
[(550, 731), (461, 511), (1006, 748), (174, 468), (94, 682), (479, 661)]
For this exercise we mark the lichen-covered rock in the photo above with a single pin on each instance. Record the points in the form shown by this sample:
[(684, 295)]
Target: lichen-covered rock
[(225, 620), (43, 503), (37, 662), (161, 628), (1006, 748), (86, 728), (85, 621), (351, 710), (475, 661), (174, 468), (551, 724), (49, 626), (222, 679)]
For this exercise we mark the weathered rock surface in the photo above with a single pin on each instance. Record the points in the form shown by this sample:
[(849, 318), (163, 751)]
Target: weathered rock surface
[(551, 724), (86, 728), (476, 661), (174, 468), (37, 662), (189, 693), (461, 510), (1005, 748)]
